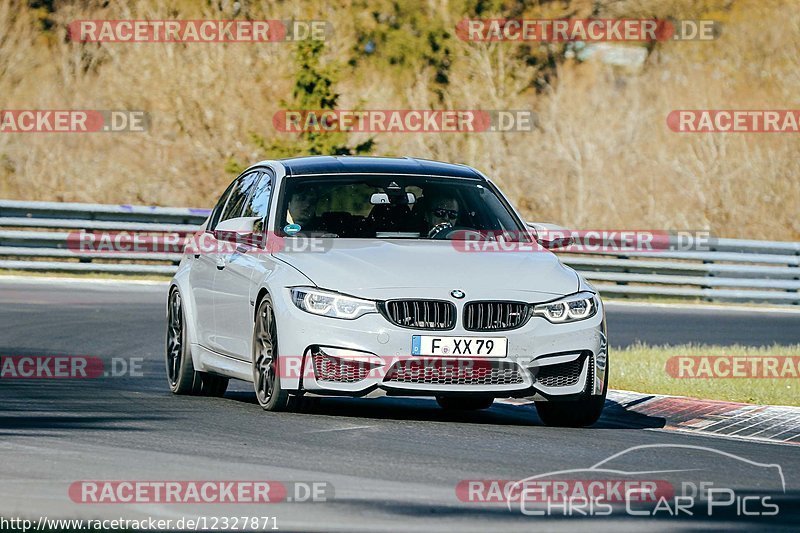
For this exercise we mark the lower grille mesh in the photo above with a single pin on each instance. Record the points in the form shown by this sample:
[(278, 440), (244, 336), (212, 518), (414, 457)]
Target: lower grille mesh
[(460, 372), (328, 368), (562, 374)]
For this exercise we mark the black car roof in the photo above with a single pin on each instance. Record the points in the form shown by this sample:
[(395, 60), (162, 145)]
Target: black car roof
[(326, 164)]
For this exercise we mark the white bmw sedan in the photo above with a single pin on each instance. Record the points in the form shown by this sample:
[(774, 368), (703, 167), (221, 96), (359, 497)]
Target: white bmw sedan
[(349, 275)]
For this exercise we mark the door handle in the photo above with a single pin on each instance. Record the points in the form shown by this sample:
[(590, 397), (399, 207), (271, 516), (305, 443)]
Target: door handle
[(220, 263)]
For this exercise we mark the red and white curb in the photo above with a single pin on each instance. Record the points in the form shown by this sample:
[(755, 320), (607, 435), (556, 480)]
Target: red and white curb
[(769, 423)]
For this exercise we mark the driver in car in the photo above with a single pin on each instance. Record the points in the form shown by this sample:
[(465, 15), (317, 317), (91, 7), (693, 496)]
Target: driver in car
[(442, 211), (302, 208)]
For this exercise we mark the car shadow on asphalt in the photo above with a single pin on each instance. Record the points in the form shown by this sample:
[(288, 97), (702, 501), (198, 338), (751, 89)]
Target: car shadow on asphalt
[(615, 416), (47, 407), (29, 425)]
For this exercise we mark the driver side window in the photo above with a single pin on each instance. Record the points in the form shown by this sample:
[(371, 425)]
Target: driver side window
[(217, 211), (232, 202), (239, 195), (257, 204)]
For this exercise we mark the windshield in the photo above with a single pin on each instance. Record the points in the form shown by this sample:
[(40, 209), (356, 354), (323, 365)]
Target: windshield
[(411, 207)]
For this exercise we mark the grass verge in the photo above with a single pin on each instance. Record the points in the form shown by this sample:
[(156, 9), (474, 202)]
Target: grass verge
[(643, 368)]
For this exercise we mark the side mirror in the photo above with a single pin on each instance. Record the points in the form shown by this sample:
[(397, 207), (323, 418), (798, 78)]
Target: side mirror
[(238, 230), (551, 236)]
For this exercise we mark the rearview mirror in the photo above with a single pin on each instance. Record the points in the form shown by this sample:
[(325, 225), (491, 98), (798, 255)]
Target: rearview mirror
[(381, 198)]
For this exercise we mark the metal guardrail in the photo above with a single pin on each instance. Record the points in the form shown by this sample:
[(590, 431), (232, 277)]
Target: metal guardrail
[(730, 270)]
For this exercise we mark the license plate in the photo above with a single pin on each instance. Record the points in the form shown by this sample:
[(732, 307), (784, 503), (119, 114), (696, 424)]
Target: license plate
[(431, 345)]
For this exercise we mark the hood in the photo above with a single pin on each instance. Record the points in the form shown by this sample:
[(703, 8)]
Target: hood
[(375, 267)]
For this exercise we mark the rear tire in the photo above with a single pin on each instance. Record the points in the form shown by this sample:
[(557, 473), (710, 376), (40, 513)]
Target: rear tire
[(464, 403), (574, 414), (266, 375), (181, 375)]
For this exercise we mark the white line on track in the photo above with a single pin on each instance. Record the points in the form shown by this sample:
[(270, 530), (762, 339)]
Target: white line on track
[(338, 429), (694, 433)]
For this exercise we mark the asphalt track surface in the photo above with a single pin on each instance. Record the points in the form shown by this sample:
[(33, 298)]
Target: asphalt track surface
[(394, 463)]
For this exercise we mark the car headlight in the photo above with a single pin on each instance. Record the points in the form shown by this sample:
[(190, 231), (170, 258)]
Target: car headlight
[(571, 308), (324, 303)]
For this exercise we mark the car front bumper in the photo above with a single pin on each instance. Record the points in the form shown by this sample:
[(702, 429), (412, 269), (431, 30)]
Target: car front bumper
[(545, 361)]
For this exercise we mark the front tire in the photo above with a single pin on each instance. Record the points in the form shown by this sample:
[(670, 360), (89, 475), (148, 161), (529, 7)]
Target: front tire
[(574, 414), (181, 375), (464, 403), (266, 375)]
